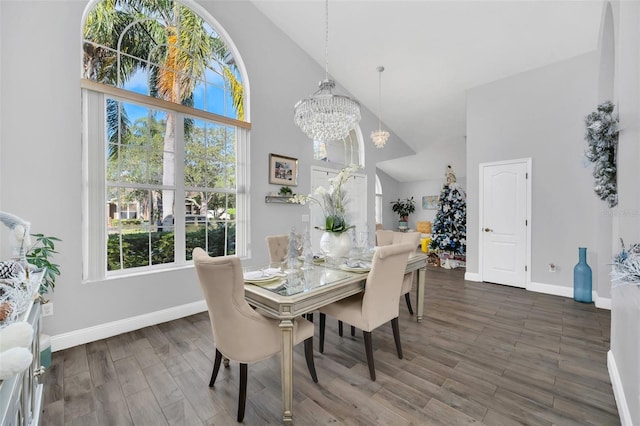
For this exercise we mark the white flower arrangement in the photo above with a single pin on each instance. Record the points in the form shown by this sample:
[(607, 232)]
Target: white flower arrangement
[(626, 266), (332, 201)]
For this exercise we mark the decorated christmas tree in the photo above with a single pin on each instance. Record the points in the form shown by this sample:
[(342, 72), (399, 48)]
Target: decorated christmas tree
[(449, 230)]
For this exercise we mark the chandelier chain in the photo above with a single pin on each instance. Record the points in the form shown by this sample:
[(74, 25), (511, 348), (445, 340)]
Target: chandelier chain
[(326, 116), (379, 137), (326, 40), (380, 69)]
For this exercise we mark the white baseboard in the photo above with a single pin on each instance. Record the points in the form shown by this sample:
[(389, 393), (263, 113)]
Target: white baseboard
[(102, 331), (472, 276), (618, 391), (602, 302), (556, 290)]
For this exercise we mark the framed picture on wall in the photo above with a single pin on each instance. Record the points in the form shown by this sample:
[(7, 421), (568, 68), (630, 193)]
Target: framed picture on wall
[(429, 202), (283, 170)]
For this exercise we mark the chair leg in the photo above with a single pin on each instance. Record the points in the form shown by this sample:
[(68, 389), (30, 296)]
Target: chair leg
[(216, 368), (308, 354), (353, 331), (396, 336), (242, 397), (323, 320), (368, 347), (408, 299), (340, 328)]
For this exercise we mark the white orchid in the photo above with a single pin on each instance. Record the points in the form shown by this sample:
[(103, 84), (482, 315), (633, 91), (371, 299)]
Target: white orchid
[(332, 201)]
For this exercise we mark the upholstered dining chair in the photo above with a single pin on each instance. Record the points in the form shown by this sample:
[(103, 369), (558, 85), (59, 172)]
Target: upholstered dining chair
[(385, 238), (239, 332), (277, 245), (377, 304)]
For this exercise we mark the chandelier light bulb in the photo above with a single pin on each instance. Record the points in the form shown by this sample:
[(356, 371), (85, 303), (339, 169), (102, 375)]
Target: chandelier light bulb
[(379, 138)]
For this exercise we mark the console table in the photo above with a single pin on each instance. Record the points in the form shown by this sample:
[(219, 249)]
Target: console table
[(21, 395)]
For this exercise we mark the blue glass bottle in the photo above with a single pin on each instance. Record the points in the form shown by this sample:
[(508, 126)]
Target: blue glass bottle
[(582, 278)]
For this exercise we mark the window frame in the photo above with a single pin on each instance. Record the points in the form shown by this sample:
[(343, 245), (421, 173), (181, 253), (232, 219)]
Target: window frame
[(95, 233), (94, 224)]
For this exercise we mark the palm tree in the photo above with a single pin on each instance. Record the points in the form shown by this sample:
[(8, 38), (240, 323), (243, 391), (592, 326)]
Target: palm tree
[(160, 32)]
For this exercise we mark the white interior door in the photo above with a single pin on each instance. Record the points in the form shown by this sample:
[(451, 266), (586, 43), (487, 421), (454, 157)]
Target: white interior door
[(356, 190), (503, 220)]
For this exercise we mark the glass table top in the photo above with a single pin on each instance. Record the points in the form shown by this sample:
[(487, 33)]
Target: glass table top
[(293, 281)]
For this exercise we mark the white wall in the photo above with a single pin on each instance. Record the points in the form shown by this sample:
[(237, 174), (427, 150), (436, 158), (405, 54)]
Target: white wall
[(40, 167), (539, 114), (624, 357)]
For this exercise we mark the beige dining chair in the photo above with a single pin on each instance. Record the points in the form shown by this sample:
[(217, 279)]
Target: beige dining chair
[(278, 247), (378, 303), (385, 238), (239, 332)]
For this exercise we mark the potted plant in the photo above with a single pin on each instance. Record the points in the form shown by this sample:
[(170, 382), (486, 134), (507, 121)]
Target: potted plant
[(39, 255), (285, 191), (403, 208)]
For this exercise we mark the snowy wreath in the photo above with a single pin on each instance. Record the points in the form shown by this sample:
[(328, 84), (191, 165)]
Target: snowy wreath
[(602, 142)]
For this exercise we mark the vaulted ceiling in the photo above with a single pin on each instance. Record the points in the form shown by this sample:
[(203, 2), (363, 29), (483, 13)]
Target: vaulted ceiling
[(433, 52)]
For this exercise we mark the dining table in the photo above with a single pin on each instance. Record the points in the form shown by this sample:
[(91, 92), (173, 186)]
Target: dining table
[(295, 292)]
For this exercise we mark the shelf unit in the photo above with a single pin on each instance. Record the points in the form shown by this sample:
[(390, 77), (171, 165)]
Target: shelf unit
[(278, 199), (21, 395)]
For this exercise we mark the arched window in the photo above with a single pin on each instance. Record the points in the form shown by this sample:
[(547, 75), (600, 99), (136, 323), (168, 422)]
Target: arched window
[(378, 200), (165, 119), (347, 151)]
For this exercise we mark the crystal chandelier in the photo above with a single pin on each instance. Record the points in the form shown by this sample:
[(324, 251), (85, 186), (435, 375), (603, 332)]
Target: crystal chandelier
[(379, 137), (325, 116)]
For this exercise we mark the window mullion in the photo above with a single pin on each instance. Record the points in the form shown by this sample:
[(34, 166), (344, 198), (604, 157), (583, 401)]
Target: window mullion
[(179, 207), (94, 187), (243, 179)]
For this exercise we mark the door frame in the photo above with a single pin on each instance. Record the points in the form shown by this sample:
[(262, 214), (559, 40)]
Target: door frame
[(481, 235)]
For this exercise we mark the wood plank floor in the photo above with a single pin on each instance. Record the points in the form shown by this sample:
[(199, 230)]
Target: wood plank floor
[(484, 354)]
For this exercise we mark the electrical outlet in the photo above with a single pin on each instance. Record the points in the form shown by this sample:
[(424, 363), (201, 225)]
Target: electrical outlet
[(552, 267), (47, 309)]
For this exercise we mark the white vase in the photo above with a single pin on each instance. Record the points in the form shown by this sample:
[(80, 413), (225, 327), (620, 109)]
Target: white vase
[(334, 244)]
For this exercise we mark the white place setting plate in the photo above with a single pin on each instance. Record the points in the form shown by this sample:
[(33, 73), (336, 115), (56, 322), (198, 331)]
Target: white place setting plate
[(263, 276), (356, 267)]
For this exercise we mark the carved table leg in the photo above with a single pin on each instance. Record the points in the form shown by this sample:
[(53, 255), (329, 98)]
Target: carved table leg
[(286, 327), (422, 272)]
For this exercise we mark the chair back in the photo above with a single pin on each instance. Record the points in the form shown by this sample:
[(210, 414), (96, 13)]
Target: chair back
[(384, 237), (382, 289), (407, 237), (239, 332), (414, 239), (278, 247)]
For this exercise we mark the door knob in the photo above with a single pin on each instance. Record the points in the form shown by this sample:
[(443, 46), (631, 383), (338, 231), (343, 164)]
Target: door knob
[(488, 230)]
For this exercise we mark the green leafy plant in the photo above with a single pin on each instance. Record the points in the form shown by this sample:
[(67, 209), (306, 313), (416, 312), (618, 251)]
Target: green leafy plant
[(39, 255), (404, 207), (285, 191)]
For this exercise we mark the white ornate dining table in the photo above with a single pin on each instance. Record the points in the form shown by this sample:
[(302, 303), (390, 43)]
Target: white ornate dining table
[(307, 291)]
